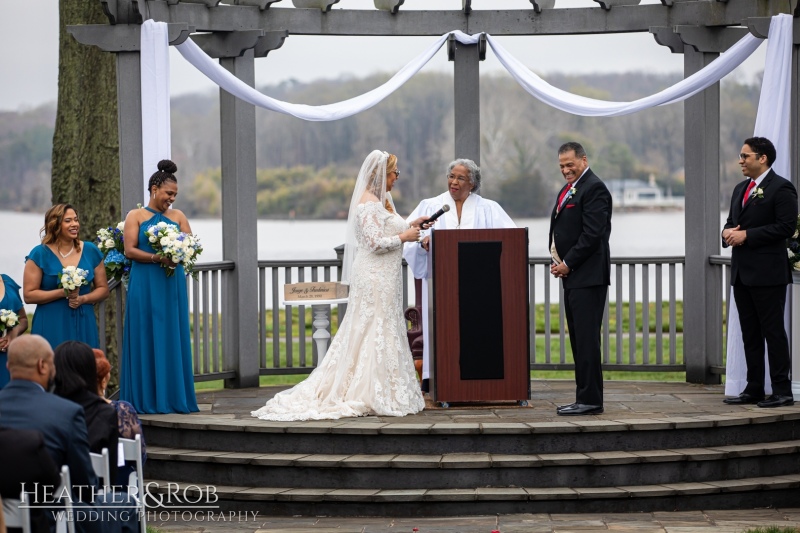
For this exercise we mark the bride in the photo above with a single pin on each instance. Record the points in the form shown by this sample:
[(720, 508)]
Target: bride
[(368, 369)]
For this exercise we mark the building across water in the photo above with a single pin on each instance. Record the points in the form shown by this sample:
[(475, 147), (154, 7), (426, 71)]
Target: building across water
[(640, 195)]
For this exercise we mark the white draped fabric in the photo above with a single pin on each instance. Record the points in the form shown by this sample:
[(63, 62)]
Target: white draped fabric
[(590, 107), (156, 128), (772, 122)]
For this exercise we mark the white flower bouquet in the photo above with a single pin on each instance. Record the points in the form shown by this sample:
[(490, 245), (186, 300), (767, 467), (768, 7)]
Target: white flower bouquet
[(793, 247), (72, 278), (111, 242), (8, 319), (180, 248)]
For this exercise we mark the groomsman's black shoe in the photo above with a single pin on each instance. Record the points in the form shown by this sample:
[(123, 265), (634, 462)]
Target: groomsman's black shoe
[(425, 385), (777, 401), (560, 407), (580, 409), (743, 399)]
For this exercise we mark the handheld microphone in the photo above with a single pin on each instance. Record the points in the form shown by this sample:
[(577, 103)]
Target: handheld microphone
[(445, 208)]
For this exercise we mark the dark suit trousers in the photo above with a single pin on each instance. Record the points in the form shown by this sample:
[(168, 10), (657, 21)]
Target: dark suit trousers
[(584, 308), (761, 312)]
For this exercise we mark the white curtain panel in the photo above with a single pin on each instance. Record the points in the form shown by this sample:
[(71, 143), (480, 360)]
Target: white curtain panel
[(322, 113), (772, 122), (590, 107), (156, 143)]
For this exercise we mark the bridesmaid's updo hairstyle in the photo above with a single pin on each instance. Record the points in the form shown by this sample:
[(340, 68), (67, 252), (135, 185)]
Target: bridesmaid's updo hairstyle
[(166, 172), (52, 225)]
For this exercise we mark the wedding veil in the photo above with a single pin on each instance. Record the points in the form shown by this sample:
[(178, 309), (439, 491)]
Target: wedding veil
[(372, 179)]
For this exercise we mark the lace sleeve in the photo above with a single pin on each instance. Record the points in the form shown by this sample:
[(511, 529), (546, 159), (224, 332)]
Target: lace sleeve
[(372, 227), (129, 424)]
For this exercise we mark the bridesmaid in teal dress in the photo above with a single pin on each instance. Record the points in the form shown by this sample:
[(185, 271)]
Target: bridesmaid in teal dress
[(9, 299), (60, 317), (156, 375)]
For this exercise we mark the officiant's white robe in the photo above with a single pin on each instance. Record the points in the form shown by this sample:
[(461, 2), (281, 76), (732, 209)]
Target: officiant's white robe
[(476, 213)]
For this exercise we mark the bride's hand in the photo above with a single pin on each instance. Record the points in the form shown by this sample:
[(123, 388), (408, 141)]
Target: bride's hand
[(410, 235)]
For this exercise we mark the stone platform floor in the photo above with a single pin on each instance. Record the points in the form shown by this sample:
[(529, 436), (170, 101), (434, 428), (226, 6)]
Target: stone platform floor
[(729, 521), (623, 400)]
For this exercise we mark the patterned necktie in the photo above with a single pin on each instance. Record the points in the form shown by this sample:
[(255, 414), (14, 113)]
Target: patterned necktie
[(747, 192), (561, 198)]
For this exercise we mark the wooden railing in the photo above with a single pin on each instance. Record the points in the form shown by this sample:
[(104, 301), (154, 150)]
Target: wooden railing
[(645, 337)]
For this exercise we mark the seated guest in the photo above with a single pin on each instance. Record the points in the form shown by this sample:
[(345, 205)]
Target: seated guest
[(128, 423), (10, 300), (25, 404), (468, 210), (24, 460), (76, 380)]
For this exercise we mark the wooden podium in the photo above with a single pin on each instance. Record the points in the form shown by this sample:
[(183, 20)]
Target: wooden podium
[(479, 316)]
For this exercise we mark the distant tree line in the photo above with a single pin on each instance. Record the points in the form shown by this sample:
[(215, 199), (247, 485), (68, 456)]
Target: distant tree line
[(307, 169)]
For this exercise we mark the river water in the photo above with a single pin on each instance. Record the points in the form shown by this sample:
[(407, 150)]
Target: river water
[(647, 234)]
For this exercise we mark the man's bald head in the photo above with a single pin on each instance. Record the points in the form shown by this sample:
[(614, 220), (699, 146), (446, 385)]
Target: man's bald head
[(30, 357)]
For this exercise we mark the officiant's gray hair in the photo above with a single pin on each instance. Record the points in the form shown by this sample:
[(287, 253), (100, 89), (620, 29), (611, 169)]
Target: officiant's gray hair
[(473, 170)]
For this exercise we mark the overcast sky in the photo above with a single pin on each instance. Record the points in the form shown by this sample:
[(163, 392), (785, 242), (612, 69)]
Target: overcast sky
[(29, 65)]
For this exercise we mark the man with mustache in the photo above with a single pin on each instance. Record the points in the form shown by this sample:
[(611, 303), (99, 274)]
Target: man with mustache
[(580, 227)]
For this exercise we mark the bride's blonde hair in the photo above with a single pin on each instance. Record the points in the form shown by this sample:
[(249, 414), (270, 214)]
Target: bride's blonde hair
[(391, 166)]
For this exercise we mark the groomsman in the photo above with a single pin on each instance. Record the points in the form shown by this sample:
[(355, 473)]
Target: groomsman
[(762, 216), (580, 227)]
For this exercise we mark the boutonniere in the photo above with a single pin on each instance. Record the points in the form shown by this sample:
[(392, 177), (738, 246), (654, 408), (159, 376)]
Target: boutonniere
[(757, 192), (573, 191)]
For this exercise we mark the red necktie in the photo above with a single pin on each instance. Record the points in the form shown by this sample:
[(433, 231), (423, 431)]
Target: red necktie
[(561, 197), (747, 192)]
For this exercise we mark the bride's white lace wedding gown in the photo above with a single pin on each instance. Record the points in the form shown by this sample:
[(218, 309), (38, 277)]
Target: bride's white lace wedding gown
[(368, 369)]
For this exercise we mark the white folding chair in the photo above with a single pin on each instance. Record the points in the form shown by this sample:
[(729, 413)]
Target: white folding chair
[(131, 450), (63, 522), (17, 513), (101, 467)]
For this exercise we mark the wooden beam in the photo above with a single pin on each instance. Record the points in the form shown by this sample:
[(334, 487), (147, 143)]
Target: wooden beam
[(575, 21)]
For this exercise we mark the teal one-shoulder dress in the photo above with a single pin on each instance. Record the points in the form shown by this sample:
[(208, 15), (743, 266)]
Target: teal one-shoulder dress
[(12, 302), (56, 321), (156, 375)]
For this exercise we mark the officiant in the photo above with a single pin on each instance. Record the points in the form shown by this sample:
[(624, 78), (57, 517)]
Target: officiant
[(467, 210)]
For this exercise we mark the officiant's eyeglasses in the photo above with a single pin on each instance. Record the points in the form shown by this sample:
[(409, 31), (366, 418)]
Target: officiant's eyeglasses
[(460, 179), (744, 156)]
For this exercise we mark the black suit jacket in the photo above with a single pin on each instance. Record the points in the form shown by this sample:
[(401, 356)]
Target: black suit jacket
[(24, 405), (24, 459), (581, 232), (762, 259)]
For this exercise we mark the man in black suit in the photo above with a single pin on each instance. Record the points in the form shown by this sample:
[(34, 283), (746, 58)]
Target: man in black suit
[(580, 227), (762, 216), (26, 404), (24, 460)]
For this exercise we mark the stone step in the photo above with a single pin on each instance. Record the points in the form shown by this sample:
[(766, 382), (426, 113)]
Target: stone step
[(473, 460), (371, 426), (461, 471), (289, 494), (371, 436)]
